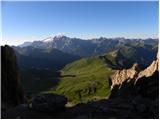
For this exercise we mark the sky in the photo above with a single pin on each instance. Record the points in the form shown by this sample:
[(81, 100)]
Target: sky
[(29, 21)]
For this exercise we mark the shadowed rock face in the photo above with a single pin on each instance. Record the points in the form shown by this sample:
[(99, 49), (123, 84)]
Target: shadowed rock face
[(41, 106), (12, 92), (49, 103)]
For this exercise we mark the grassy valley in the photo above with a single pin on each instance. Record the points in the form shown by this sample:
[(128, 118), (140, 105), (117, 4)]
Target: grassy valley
[(84, 80)]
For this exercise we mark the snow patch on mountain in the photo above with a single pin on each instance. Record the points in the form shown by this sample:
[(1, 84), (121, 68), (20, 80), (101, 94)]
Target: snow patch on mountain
[(49, 39)]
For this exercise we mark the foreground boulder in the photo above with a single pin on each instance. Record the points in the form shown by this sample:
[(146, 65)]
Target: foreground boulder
[(42, 106), (49, 103), (23, 111)]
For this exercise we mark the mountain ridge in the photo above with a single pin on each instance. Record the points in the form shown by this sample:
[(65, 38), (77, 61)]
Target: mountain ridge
[(87, 47), (51, 38)]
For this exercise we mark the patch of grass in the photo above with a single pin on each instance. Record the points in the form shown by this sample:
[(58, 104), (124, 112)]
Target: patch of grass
[(87, 79)]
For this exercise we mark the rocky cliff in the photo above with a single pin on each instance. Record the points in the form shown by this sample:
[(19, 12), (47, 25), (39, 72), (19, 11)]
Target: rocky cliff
[(124, 75), (11, 90), (134, 73)]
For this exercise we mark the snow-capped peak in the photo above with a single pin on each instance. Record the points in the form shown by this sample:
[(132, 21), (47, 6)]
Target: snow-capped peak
[(48, 39), (59, 35)]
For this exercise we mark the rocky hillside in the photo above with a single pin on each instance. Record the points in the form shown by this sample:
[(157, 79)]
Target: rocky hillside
[(12, 91)]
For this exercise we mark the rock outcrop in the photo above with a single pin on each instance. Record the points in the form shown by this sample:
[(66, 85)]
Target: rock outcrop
[(123, 75), (134, 73), (12, 91)]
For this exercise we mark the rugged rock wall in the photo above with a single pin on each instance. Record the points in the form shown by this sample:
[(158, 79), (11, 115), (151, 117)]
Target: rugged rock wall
[(134, 73), (11, 90), (121, 76)]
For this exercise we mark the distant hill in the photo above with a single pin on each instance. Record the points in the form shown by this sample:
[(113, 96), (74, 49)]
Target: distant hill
[(126, 55), (49, 58)]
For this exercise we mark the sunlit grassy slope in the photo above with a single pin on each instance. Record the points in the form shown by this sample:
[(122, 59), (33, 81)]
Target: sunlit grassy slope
[(84, 80)]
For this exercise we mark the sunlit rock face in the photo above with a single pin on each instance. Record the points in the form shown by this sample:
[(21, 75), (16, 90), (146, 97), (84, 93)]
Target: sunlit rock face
[(134, 73), (124, 75)]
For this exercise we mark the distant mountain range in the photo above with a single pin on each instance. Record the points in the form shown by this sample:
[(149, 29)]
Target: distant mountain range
[(138, 50)]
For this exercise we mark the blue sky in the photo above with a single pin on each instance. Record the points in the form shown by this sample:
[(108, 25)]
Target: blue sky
[(28, 21)]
